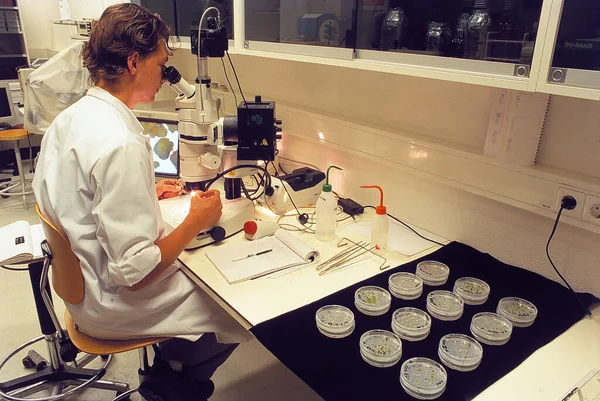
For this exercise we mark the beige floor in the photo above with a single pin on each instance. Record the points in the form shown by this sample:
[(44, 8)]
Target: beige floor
[(251, 374)]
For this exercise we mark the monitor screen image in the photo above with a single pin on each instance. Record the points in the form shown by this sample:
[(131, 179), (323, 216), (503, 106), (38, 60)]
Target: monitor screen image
[(164, 141)]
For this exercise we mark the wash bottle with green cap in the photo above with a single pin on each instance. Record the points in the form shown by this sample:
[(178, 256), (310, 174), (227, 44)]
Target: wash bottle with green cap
[(380, 225), (326, 217)]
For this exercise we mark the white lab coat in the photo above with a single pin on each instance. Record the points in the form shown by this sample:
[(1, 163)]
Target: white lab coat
[(95, 180)]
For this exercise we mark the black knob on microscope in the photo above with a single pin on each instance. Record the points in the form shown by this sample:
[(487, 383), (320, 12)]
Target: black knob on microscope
[(258, 99), (218, 233)]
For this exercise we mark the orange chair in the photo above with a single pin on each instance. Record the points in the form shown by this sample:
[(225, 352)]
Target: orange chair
[(67, 281), (14, 136)]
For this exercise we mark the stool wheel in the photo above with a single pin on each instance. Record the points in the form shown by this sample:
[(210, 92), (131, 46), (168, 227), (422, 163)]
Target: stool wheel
[(28, 363)]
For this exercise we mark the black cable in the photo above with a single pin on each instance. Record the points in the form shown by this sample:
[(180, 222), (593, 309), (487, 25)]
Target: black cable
[(302, 217), (15, 269), (587, 310), (229, 82), (224, 173), (236, 78), (410, 228)]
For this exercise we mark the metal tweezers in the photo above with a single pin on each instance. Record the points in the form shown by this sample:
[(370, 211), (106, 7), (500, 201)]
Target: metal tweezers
[(357, 252)]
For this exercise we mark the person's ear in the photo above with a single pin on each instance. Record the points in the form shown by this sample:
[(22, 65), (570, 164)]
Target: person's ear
[(132, 62)]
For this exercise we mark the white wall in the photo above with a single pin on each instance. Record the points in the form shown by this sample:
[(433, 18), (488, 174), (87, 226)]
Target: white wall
[(453, 112), (36, 16)]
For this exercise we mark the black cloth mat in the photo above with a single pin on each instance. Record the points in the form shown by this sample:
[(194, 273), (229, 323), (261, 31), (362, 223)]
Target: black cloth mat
[(336, 371)]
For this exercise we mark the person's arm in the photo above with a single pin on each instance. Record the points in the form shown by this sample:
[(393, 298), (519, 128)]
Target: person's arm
[(205, 211)]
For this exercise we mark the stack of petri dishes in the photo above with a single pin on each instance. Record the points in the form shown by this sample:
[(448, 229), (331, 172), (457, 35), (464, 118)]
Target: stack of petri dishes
[(423, 378), (433, 273), (335, 321), (411, 324), (491, 328), (380, 348), (405, 285), (372, 301), (460, 352), (445, 305), (472, 290), (520, 312)]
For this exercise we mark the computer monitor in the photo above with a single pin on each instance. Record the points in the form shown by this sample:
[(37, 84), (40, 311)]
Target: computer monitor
[(8, 111), (164, 141)]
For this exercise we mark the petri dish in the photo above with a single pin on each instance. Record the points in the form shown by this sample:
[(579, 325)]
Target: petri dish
[(372, 300), (423, 378), (335, 321), (520, 312), (337, 334), (380, 348), (405, 285), (445, 305), (491, 328), (460, 352), (472, 290), (411, 324), (433, 273)]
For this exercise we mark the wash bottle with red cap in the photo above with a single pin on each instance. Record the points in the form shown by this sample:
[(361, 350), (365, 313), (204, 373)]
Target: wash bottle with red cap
[(380, 225)]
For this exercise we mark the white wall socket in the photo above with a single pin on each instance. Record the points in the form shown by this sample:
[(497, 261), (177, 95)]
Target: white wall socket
[(579, 197), (591, 210)]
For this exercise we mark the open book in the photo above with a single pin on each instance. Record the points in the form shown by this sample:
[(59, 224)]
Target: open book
[(20, 242), (284, 250)]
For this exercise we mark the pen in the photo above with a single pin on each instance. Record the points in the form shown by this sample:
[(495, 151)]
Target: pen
[(251, 254)]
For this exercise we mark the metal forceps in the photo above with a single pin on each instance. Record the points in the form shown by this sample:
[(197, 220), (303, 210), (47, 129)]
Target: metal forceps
[(357, 252)]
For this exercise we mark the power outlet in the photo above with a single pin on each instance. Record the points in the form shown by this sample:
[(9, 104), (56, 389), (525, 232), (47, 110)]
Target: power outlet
[(591, 210), (579, 197)]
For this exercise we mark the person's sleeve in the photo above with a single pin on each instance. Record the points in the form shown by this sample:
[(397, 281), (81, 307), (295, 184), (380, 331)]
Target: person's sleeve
[(125, 213)]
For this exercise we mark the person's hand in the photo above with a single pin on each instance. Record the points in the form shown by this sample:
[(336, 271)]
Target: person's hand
[(205, 208), (168, 189)]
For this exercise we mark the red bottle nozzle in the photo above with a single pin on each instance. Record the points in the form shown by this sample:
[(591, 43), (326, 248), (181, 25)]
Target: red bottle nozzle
[(379, 209)]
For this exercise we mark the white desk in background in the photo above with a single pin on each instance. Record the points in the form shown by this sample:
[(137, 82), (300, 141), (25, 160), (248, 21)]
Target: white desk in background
[(547, 375)]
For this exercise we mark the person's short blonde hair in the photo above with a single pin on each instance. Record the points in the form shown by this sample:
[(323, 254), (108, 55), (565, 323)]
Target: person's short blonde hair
[(122, 30)]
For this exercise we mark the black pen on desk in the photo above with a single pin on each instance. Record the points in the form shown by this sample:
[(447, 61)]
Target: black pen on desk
[(251, 255)]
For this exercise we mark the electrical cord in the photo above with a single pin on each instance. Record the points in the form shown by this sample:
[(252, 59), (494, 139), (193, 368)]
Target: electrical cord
[(562, 207), (236, 78), (410, 228), (229, 82), (302, 217), (224, 173)]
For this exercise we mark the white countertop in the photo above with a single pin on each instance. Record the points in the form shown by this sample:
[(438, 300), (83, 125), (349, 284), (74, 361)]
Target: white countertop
[(547, 375)]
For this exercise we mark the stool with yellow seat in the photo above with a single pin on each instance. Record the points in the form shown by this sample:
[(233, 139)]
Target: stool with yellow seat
[(14, 136), (67, 281)]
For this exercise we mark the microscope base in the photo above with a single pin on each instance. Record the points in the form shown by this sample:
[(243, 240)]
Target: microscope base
[(235, 213)]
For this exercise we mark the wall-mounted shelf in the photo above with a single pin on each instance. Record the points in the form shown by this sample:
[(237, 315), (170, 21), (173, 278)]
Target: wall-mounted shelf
[(12, 55), (8, 8), (11, 33)]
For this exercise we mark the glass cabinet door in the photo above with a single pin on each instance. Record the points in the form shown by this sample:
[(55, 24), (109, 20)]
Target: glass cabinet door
[(576, 57), (501, 32), (322, 23), (181, 15)]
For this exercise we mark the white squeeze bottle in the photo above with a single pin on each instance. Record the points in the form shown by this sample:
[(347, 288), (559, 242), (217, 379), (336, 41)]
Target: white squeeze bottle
[(380, 225), (326, 217)]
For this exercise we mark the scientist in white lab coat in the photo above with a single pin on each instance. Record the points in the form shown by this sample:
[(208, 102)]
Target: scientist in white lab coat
[(95, 181)]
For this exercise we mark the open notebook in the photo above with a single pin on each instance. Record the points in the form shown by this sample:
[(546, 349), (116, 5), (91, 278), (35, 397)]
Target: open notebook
[(20, 242), (287, 251)]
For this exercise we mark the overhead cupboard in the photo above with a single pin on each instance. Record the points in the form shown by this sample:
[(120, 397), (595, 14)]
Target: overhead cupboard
[(550, 46)]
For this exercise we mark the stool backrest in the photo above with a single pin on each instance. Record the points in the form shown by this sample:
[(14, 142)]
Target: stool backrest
[(67, 279)]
